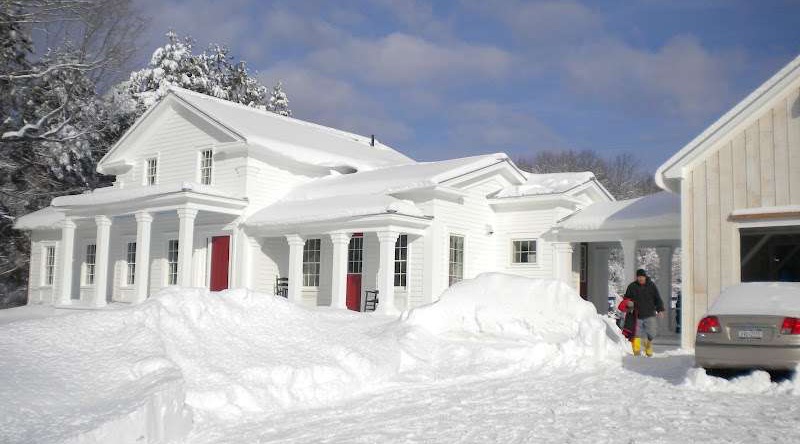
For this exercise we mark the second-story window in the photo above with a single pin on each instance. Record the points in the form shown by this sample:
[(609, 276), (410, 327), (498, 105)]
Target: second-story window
[(206, 166), (152, 171)]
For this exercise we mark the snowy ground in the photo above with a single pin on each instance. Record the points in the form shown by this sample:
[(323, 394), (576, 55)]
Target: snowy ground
[(483, 365)]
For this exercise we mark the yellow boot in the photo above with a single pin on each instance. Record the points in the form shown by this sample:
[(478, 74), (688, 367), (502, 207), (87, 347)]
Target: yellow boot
[(648, 348), (637, 346)]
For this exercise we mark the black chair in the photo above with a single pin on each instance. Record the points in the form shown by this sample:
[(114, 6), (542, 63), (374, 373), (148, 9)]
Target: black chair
[(282, 286), (370, 300)]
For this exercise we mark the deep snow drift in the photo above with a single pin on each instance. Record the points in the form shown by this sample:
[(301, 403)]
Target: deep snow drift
[(145, 373)]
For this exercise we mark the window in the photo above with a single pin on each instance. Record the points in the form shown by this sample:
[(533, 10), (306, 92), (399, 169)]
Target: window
[(311, 256), (206, 163), (524, 251), (355, 254), (172, 262), (91, 254), (49, 265), (130, 259), (401, 261), (151, 174), (456, 269)]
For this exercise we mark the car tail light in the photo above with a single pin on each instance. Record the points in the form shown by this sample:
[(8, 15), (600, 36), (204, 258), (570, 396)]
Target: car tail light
[(790, 326), (709, 324)]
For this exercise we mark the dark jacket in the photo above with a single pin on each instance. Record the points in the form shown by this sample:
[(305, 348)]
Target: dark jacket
[(648, 301)]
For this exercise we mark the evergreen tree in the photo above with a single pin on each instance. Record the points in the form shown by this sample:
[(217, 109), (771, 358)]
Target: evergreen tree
[(278, 102)]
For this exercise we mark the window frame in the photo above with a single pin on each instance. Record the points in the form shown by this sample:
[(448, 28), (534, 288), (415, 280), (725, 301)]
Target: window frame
[(401, 263), (312, 262), (202, 167), (450, 260), (48, 275), (146, 175), (86, 266), (168, 263), (129, 278), (513, 258)]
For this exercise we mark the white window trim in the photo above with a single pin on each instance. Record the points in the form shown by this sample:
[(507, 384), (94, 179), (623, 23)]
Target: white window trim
[(319, 274), (84, 244), (463, 259), (43, 267), (403, 288), (199, 167), (535, 264), (145, 169), (165, 261), (124, 275)]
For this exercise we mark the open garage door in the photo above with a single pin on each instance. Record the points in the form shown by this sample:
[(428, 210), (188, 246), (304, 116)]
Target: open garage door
[(771, 254)]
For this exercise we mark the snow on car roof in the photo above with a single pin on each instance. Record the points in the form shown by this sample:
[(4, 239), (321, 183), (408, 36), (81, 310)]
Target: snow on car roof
[(759, 298), (302, 141)]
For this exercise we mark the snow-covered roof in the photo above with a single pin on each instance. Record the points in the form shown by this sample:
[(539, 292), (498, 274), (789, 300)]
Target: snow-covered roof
[(107, 195), (326, 209), (301, 141), (788, 77), (394, 179), (649, 213), (540, 184), (46, 218), (366, 192)]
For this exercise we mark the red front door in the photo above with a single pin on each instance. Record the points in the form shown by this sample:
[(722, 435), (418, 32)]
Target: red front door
[(220, 255), (355, 256)]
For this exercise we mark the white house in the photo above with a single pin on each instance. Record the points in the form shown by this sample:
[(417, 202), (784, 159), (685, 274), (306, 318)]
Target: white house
[(739, 186), (216, 194)]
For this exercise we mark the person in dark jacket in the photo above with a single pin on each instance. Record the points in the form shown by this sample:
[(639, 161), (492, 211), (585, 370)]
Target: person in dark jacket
[(648, 305)]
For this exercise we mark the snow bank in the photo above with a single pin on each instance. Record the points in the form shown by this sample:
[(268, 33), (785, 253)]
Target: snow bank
[(757, 382), (510, 322), (759, 298)]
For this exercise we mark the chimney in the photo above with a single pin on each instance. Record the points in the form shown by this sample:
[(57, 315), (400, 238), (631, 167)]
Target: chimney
[(372, 141)]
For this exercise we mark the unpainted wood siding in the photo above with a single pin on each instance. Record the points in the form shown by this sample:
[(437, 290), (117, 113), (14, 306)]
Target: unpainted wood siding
[(755, 167)]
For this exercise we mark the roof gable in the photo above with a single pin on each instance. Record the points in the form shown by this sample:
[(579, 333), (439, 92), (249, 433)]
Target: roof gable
[(741, 115)]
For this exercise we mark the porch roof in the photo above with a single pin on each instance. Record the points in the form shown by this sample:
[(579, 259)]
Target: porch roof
[(298, 213), (46, 218), (653, 217)]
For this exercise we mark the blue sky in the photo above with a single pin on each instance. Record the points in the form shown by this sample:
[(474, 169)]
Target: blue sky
[(447, 79)]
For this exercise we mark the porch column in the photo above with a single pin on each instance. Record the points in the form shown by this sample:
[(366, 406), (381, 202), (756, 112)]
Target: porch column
[(141, 278), (387, 240), (339, 269), (295, 275), (241, 258), (101, 260), (665, 284), (67, 254), (629, 260), (186, 218), (562, 269)]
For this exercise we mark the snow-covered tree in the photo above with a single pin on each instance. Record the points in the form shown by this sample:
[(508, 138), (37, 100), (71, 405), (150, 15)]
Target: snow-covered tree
[(278, 102)]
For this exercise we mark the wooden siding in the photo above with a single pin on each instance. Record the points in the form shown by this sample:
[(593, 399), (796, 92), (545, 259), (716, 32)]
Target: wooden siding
[(754, 167)]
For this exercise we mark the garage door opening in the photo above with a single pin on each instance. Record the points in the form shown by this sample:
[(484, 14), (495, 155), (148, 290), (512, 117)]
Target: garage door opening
[(770, 254)]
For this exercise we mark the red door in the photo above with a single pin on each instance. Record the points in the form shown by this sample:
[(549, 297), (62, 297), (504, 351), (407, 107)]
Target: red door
[(355, 256), (220, 255)]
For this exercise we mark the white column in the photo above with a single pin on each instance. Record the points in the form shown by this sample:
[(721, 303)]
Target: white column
[(387, 240), (339, 270), (295, 275), (665, 285), (67, 253), (241, 258), (629, 260), (141, 278), (186, 218), (101, 260), (562, 269)]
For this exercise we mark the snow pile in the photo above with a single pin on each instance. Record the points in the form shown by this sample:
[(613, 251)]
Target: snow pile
[(774, 298), (757, 382), (506, 322)]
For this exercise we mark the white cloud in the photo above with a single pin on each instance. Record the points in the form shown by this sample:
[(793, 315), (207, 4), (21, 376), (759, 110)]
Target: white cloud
[(681, 78)]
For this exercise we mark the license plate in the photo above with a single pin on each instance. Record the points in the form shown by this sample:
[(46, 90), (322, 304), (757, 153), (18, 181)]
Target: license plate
[(750, 334)]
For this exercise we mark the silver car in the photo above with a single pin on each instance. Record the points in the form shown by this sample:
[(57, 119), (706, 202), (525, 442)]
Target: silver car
[(752, 325)]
